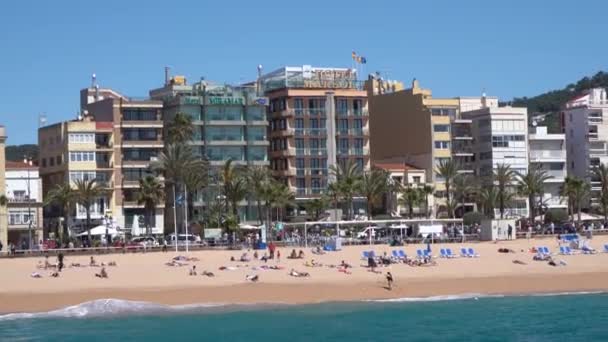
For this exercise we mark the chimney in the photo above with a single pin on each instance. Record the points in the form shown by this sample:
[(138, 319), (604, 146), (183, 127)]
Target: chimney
[(167, 75), (415, 84), (484, 101)]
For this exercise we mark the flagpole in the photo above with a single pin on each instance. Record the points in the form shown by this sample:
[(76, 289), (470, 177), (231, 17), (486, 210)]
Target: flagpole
[(175, 218), (186, 216)]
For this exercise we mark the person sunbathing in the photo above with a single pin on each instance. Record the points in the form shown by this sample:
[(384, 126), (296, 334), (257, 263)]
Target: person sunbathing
[(55, 274), (252, 278), (208, 274), (75, 264), (318, 251), (519, 262), (112, 263), (505, 250), (245, 258), (345, 265), (193, 270), (293, 254), (36, 275), (301, 254), (297, 274), (102, 273)]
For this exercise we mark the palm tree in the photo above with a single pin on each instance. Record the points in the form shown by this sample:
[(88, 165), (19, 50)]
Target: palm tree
[(448, 170), (334, 195), (150, 193), (532, 185), (195, 180), (373, 185), (175, 163), (600, 174), (410, 197), (426, 191), (181, 129), (488, 197), (85, 194), (317, 206), (234, 186), (283, 197), (257, 178), (348, 177), (577, 191), (3, 201), (463, 188), (63, 196), (504, 177)]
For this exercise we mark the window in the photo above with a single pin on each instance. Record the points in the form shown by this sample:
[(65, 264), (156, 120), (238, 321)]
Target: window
[(342, 107), (300, 183), (441, 128), (82, 156), (358, 107), (443, 112), (416, 179), (300, 163), (299, 123), (570, 116), (360, 163), (299, 143), (257, 153), (139, 114), (82, 175), (442, 145), (51, 161), (503, 140), (343, 126), (298, 105), (485, 155), (43, 162), (58, 158), (80, 138)]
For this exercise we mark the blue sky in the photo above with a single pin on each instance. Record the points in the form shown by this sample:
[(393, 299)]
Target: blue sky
[(49, 49)]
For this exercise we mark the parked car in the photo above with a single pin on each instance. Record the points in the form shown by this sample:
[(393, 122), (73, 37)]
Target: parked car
[(147, 240)]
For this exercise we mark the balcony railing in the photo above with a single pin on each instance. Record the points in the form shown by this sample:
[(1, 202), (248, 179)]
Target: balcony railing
[(556, 174), (547, 154)]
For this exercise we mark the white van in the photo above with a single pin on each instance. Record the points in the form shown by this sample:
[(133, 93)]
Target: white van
[(182, 238)]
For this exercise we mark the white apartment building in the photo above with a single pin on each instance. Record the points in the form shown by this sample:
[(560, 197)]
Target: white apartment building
[(585, 121), (501, 137), (24, 194), (548, 153)]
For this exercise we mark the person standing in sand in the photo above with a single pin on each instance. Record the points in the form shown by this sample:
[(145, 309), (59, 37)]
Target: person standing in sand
[(389, 280)]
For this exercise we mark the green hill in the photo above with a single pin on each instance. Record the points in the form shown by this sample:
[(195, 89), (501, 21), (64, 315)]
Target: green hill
[(17, 152), (551, 102)]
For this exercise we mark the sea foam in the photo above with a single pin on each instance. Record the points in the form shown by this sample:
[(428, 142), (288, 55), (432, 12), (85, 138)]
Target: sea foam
[(476, 296), (109, 307)]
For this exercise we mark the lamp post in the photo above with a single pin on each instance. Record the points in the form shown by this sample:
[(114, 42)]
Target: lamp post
[(28, 162)]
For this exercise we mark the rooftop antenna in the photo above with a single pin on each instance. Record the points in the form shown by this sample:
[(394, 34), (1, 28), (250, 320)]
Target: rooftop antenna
[(258, 85), (93, 80)]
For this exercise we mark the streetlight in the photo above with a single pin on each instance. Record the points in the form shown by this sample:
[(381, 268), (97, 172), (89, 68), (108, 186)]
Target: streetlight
[(28, 162)]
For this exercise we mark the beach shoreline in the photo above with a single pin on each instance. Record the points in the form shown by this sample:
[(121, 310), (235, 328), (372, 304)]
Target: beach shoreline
[(144, 277)]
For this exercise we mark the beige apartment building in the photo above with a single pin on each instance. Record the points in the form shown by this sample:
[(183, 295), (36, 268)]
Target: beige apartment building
[(3, 209), (318, 118), (411, 126), (136, 127), (80, 149)]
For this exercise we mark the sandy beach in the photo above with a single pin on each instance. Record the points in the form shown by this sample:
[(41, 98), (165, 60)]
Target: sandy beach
[(145, 277)]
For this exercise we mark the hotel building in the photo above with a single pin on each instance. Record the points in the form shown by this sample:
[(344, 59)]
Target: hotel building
[(318, 118), (585, 122), (229, 124)]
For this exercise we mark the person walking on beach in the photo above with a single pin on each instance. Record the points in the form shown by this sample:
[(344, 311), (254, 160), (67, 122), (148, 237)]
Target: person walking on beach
[(389, 280), (510, 232), (60, 261)]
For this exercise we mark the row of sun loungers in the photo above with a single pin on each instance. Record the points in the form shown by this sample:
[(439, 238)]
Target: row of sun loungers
[(423, 254)]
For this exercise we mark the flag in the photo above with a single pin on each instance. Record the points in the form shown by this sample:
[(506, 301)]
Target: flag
[(358, 59), (362, 60), (354, 54)]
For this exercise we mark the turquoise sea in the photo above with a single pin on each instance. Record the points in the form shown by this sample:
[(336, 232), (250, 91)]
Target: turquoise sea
[(563, 317)]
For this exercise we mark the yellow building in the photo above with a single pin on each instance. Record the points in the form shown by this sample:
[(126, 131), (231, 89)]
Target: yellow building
[(72, 150), (3, 215), (410, 126)]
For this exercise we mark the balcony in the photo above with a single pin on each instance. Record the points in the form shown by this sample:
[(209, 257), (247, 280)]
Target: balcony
[(142, 143), (290, 172), (548, 156), (21, 199), (311, 131), (557, 176), (299, 112), (462, 151), (289, 131)]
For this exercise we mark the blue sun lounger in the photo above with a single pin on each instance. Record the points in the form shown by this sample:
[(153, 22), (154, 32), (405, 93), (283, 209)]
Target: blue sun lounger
[(402, 254), (448, 251), (563, 250), (395, 254), (443, 253), (472, 253), (464, 253), (365, 255), (420, 253), (605, 248)]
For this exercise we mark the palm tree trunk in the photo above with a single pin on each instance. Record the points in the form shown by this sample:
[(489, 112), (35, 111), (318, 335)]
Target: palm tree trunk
[(89, 223), (531, 204), (426, 206), (502, 204), (369, 208)]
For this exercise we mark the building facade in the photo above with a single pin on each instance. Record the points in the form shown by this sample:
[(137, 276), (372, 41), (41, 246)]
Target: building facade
[(585, 122), (501, 138), (547, 152), (77, 150), (229, 124), (318, 118), (3, 208), (24, 194), (406, 176), (134, 140)]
